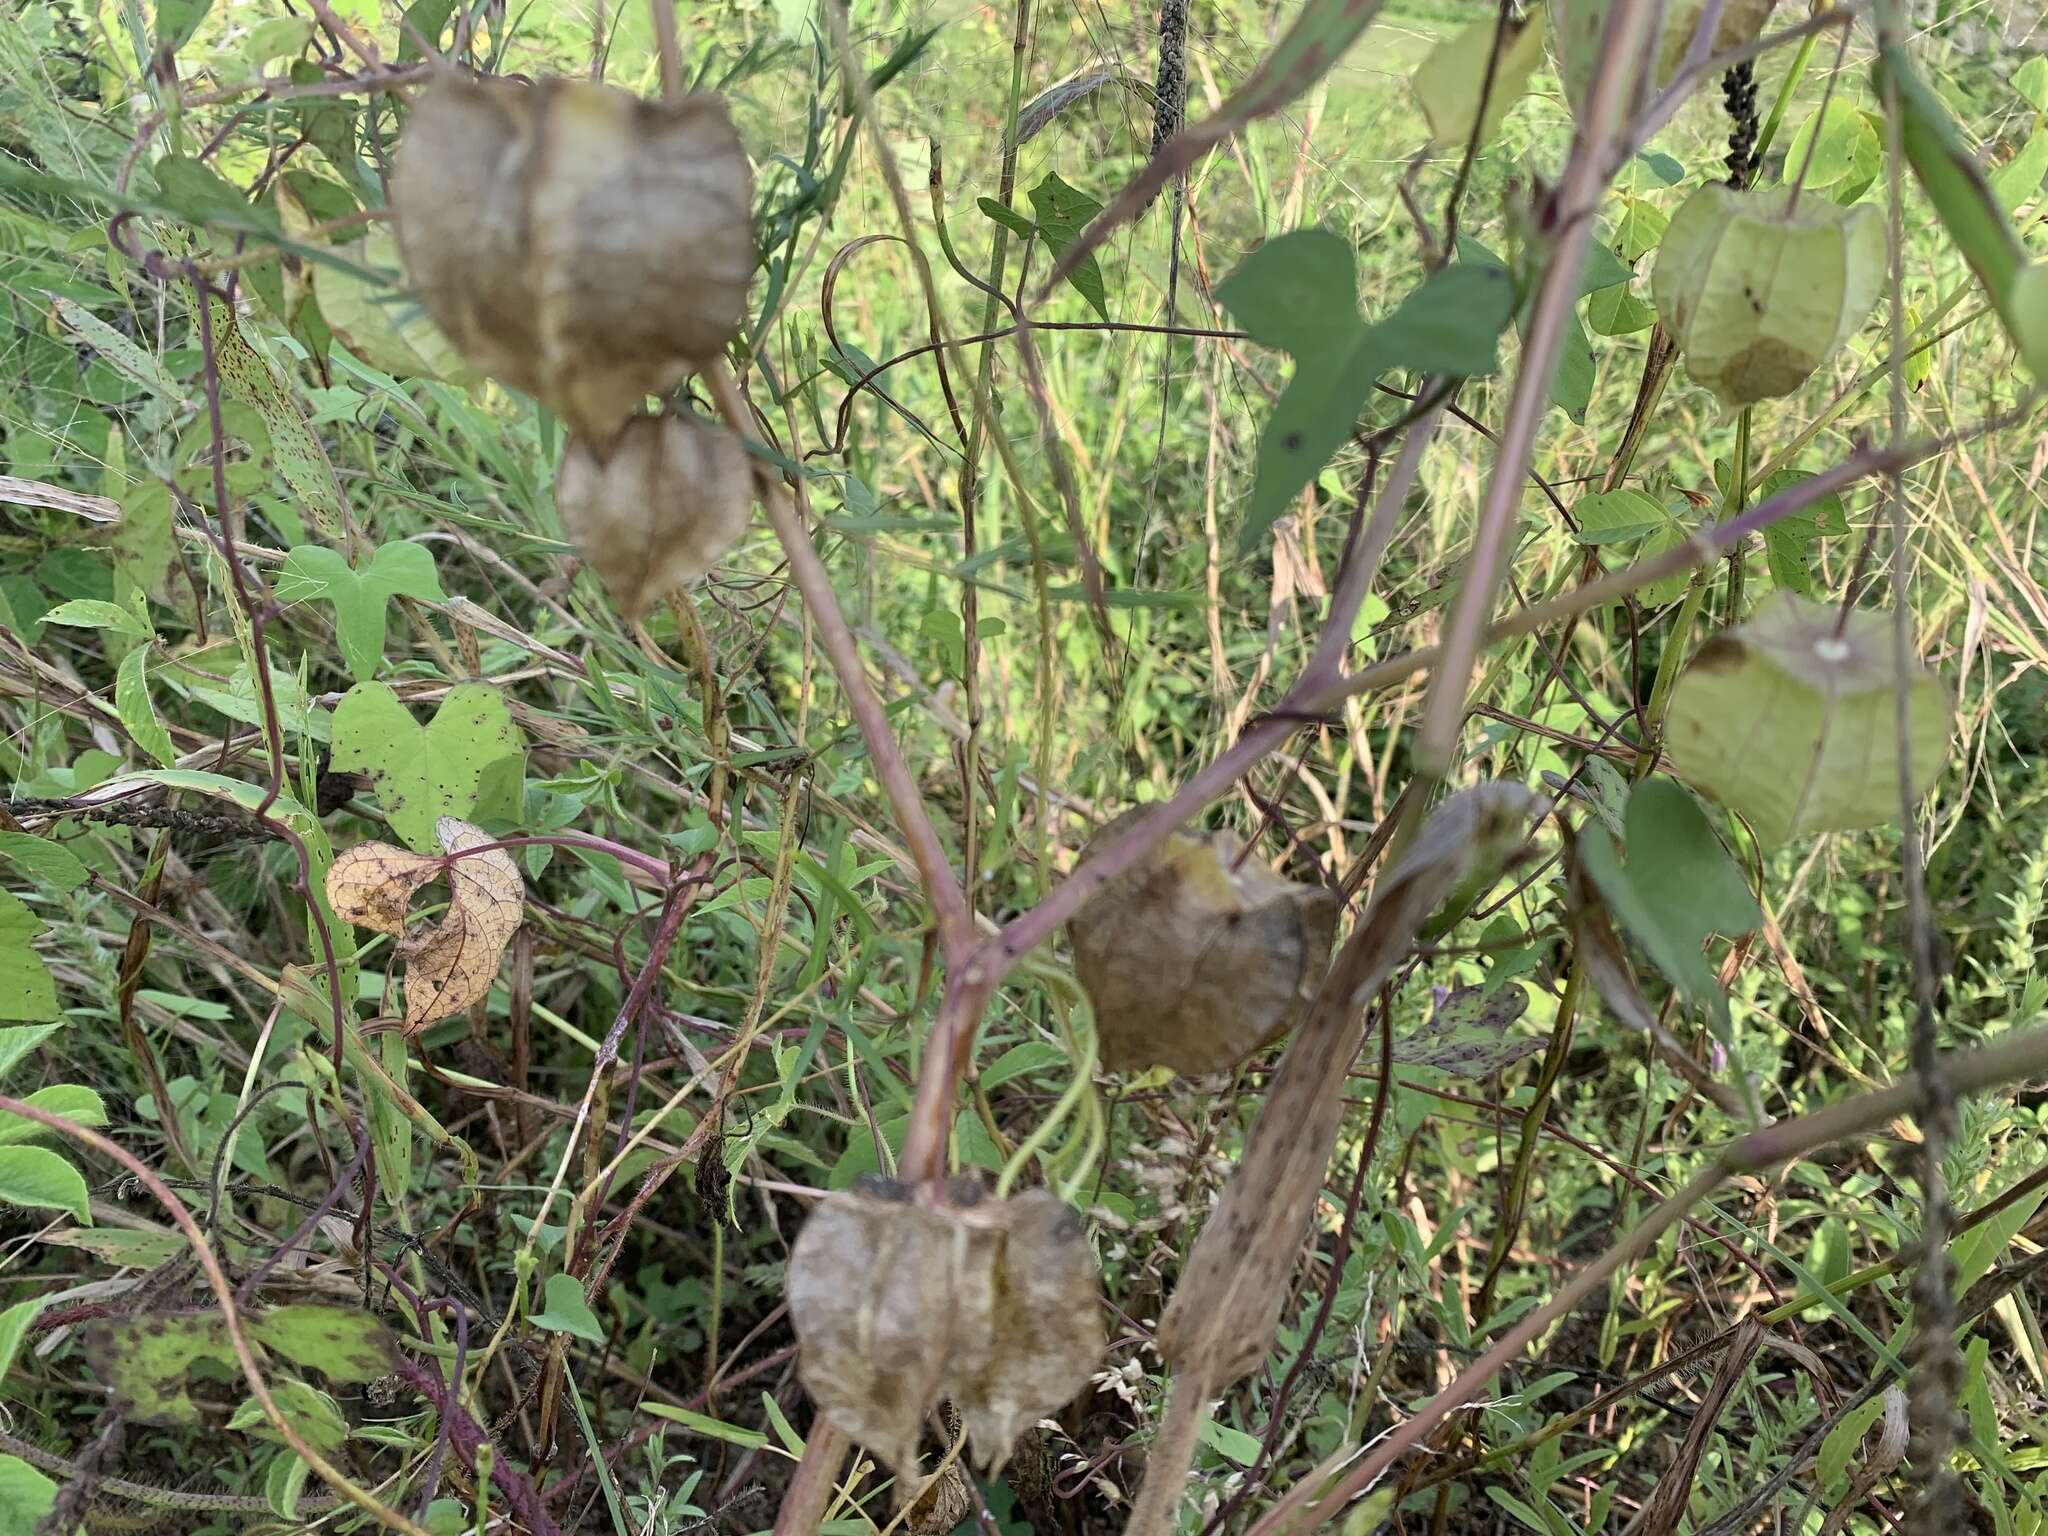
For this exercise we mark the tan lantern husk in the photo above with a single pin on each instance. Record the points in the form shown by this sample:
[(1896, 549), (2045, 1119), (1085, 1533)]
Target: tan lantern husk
[(655, 506), (898, 1301), (1196, 956), (1578, 25), (1759, 292), (574, 241)]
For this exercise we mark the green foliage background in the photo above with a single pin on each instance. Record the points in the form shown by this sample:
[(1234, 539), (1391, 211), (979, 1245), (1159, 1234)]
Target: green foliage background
[(159, 973)]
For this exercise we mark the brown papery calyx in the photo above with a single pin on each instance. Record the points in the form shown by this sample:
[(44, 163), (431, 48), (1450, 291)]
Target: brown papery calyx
[(652, 508), (1197, 955), (574, 241)]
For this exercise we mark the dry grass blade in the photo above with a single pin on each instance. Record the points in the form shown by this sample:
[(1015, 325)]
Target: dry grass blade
[(1226, 1308), (1667, 1507)]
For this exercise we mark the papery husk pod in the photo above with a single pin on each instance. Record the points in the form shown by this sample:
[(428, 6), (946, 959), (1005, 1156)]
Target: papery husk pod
[(1225, 1310), (897, 1302), (1044, 1335), (652, 508), (1578, 26), (1758, 293), (574, 241), (875, 1284), (1791, 720), (1195, 957)]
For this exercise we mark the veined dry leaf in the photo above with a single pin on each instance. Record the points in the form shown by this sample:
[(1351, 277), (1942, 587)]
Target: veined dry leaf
[(897, 1302), (1225, 1312), (1194, 958), (449, 964), (654, 507), (940, 1507), (574, 241), (1793, 725)]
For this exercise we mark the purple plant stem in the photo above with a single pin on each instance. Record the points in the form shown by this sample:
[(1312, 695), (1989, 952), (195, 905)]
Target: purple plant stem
[(466, 1435)]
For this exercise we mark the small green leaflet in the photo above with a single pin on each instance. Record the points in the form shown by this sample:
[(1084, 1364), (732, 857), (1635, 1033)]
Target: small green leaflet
[(1232, 1444), (14, 1328), (89, 613), (201, 195), (1609, 517), (1677, 887), (1298, 294), (1844, 148), (566, 1311), (25, 1495), (43, 861), (138, 714), (26, 989), (36, 1176), (361, 597), (1062, 213), (1450, 83), (68, 1101), (467, 762), (18, 1041), (312, 1413), (1789, 543), (177, 20)]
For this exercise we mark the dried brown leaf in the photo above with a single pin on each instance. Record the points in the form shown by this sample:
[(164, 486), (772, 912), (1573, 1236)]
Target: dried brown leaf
[(654, 507), (1194, 957), (449, 964), (574, 241), (940, 1507), (371, 884), (1466, 1033)]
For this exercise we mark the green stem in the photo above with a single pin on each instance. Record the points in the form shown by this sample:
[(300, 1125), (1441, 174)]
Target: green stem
[(1667, 672), (1532, 1129), (1738, 496)]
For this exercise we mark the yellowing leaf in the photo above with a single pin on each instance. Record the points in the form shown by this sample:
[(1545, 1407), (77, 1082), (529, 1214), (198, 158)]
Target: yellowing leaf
[(449, 964), (1449, 83), (1791, 724), (381, 323)]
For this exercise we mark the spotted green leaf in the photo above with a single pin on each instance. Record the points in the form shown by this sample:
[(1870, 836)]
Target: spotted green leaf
[(449, 767)]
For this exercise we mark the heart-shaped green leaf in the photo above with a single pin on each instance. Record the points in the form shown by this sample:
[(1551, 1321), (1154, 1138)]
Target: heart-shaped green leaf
[(361, 595), (467, 762)]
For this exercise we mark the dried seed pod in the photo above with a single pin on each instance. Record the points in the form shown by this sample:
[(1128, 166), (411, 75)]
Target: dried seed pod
[(1758, 294), (1194, 958), (1045, 1325), (575, 241), (940, 1507), (896, 1302), (655, 506), (1579, 27), (870, 1286)]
